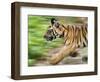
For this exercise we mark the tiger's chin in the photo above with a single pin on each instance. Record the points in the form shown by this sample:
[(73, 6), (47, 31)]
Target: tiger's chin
[(48, 39)]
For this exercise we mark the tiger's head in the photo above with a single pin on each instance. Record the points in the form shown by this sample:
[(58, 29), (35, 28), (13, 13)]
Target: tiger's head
[(54, 30)]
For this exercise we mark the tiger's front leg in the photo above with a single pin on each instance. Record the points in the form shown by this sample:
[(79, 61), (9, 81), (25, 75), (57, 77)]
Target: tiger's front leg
[(65, 51)]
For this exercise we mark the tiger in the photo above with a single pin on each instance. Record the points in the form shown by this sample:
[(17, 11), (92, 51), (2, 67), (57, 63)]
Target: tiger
[(74, 36)]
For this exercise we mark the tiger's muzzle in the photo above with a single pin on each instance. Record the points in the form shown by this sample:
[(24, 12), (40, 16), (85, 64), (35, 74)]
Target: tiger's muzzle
[(49, 36)]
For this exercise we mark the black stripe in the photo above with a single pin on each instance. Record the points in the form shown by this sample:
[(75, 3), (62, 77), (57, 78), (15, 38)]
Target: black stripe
[(53, 34), (84, 35)]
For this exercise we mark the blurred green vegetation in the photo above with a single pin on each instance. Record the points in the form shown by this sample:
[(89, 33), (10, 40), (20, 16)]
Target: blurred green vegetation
[(38, 47)]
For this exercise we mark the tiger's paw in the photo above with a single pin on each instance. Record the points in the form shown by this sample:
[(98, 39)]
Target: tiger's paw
[(54, 59)]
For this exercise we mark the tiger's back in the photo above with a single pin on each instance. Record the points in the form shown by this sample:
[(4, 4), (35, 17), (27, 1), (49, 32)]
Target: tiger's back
[(77, 35)]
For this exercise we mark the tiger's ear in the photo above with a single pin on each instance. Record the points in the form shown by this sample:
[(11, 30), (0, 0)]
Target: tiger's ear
[(54, 22)]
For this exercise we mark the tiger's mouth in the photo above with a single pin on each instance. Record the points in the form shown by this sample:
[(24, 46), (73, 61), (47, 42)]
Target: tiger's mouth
[(49, 38)]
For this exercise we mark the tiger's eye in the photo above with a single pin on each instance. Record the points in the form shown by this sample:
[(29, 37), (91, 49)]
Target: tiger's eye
[(50, 30)]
